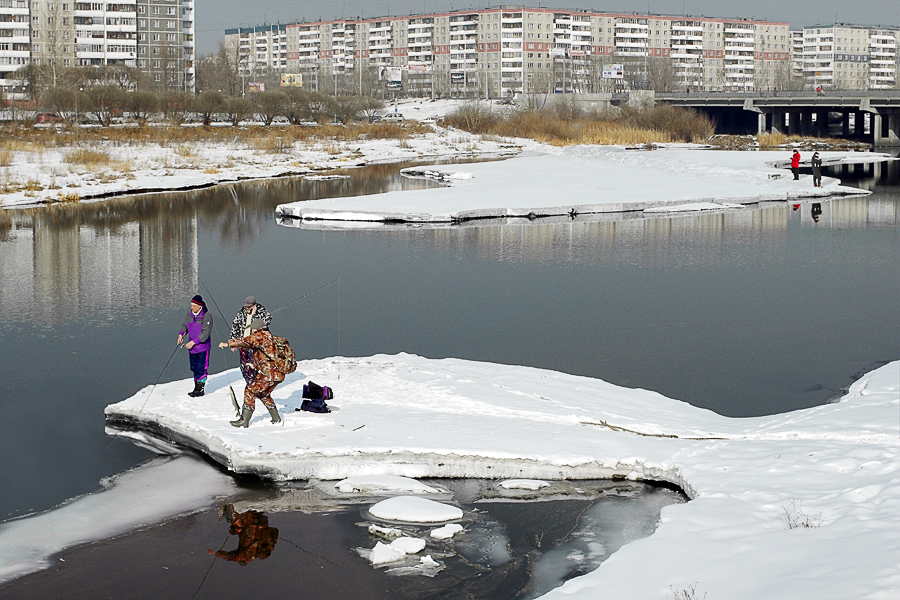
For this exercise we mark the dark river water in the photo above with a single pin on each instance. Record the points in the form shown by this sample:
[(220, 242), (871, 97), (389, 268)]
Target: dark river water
[(746, 313)]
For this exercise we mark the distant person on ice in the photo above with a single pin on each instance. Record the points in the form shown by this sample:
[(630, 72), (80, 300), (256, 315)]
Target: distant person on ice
[(261, 349), (795, 165), (817, 170), (197, 326), (240, 328)]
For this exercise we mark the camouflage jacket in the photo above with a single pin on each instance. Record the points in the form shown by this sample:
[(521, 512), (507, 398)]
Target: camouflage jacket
[(263, 347)]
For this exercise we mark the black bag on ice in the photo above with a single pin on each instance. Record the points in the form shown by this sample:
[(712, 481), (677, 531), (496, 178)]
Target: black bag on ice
[(316, 396)]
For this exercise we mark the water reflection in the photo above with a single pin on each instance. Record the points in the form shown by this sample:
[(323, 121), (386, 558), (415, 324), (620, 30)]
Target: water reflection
[(255, 538)]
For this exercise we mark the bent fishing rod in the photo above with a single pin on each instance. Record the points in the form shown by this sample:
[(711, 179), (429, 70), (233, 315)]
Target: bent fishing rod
[(234, 402)]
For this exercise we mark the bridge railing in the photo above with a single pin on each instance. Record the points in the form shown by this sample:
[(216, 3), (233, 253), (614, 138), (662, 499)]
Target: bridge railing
[(782, 94)]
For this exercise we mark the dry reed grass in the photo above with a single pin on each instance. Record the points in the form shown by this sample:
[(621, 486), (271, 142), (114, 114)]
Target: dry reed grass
[(87, 157), (660, 124)]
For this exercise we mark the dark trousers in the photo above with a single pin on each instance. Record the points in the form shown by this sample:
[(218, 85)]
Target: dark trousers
[(796, 172), (199, 365)]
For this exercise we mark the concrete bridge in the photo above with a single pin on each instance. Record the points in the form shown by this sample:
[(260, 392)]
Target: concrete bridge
[(872, 116)]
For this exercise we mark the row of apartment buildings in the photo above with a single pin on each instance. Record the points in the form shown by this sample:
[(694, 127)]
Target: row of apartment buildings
[(499, 51), (156, 36)]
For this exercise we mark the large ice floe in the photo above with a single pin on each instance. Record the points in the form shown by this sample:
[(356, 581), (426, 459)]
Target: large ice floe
[(578, 182), (796, 505)]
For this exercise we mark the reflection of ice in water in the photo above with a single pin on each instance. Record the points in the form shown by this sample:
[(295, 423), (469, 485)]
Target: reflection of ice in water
[(602, 529), (485, 543)]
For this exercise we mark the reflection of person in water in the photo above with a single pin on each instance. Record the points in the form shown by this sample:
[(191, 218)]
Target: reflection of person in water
[(255, 538), (816, 211)]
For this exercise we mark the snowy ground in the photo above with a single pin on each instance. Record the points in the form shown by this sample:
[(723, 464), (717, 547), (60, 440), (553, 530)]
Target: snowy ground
[(42, 175), (581, 180), (831, 471)]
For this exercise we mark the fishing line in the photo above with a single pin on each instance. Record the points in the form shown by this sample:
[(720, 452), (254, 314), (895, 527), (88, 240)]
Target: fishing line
[(282, 539), (224, 355), (339, 328), (210, 567), (305, 295)]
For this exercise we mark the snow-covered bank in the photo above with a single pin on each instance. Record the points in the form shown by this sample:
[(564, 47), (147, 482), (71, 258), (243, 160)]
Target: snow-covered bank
[(46, 175), (582, 180), (165, 487), (834, 466)]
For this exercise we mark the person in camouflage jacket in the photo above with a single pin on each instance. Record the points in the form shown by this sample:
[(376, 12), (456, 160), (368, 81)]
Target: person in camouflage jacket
[(260, 348), (240, 328)]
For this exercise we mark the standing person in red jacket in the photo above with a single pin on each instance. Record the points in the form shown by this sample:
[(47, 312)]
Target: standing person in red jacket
[(795, 165), (265, 374)]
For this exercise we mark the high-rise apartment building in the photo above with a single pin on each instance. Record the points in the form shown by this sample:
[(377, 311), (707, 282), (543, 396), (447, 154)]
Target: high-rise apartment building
[(156, 36), (501, 51), (848, 57)]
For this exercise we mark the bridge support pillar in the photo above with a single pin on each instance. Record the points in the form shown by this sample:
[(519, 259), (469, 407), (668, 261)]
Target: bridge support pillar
[(806, 124), (845, 124), (893, 133), (777, 121), (796, 125), (876, 126), (821, 123), (761, 123)]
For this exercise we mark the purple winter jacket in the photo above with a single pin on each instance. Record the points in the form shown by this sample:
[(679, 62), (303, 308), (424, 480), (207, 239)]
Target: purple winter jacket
[(198, 329)]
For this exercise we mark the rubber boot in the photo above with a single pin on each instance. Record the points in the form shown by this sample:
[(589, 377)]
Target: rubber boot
[(273, 412), (198, 390), (244, 421)]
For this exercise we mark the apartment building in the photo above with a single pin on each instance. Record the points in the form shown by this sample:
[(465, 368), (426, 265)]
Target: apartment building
[(496, 52), (156, 36), (848, 57)]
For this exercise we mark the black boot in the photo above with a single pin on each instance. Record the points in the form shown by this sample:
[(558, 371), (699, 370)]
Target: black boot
[(198, 390), (273, 412), (244, 421)]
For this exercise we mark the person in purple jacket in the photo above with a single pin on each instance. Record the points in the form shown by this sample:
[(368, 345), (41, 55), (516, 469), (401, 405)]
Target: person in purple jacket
[(197, 327)]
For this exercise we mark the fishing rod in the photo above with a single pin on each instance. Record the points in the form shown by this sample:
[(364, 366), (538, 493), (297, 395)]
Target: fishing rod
[(153, 389), (338, 280), (234, 401), (305, 295)]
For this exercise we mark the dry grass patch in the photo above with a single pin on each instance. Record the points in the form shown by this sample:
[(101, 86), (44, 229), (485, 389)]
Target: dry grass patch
[(87, 157), (659, 124)]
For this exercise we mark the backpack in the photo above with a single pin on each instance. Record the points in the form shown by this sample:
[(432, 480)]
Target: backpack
[(316, 396), (285, 360)]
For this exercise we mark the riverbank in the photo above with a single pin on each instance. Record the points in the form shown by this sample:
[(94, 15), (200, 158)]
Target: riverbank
[(35, 174)]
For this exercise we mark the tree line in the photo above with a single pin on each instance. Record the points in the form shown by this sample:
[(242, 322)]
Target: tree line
[(107, 94)]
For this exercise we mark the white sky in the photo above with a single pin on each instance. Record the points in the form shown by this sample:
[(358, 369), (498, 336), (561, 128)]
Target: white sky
[(214, 16)]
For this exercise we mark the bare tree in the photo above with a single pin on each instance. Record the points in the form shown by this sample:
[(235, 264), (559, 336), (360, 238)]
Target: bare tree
[(142, 105), (208, 104), (238, 109), (269, 105), (105, 102), (662, 74)]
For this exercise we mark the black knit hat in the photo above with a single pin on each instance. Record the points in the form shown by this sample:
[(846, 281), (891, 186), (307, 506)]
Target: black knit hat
[(198, 299)]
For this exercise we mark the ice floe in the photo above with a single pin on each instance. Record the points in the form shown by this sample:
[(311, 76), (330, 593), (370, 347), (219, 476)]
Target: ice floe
[(579, 181), (839, 463)]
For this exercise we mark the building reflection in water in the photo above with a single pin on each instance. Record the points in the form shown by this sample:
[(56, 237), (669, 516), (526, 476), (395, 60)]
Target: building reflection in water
[(60, 262), (56, 266)]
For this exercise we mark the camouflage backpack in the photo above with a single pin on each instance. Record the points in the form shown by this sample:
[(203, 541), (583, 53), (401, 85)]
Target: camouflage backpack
[(285, 360)]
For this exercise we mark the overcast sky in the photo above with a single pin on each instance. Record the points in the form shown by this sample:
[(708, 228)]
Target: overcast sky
[(214, 16)]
